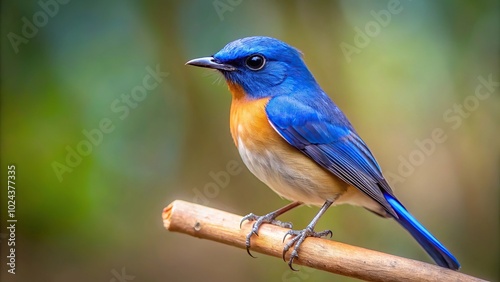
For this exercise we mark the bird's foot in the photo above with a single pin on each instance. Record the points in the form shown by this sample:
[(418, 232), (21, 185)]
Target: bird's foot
[(298, 239), (259, 220)]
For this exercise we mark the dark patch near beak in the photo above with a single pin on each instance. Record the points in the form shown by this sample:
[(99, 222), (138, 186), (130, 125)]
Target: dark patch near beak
[(211, 63)]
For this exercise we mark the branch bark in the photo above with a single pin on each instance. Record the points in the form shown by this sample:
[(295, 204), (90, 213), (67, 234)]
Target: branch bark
[(207, 223)]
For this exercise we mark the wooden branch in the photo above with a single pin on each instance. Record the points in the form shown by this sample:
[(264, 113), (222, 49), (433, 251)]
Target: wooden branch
[(323, 254)]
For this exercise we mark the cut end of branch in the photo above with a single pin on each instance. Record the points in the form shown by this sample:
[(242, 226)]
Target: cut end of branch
[(167, 215)]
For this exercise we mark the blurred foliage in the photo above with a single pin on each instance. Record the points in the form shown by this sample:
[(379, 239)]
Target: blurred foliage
[(104, 215)]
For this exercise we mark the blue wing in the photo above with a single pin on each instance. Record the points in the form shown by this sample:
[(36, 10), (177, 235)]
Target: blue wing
[(321, 131)]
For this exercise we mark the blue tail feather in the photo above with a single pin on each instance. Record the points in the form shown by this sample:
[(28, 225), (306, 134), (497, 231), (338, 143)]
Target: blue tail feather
[(431, 245)]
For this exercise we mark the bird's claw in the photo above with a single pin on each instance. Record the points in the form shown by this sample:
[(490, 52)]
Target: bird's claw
[(298, 238), (259, 220)]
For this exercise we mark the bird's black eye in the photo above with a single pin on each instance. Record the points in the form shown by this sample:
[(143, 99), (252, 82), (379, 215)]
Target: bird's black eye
[(255, 62)]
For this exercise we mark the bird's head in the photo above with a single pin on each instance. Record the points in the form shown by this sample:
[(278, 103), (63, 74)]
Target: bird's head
[(261, 66)]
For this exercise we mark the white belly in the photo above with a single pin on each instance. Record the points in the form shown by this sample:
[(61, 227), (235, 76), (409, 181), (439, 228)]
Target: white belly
[(305, 183)]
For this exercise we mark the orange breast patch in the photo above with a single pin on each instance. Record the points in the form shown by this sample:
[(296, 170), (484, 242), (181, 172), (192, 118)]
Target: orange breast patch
[(249, 121)]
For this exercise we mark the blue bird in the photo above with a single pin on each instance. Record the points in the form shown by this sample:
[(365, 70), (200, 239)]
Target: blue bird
[(294, 138)]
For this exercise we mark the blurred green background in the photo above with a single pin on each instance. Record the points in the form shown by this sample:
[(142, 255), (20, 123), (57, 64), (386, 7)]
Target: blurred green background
[(88, 219)]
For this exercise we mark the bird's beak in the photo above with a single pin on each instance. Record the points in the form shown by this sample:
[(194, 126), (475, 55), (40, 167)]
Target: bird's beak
[(211, 63)]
